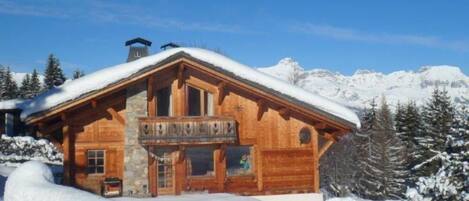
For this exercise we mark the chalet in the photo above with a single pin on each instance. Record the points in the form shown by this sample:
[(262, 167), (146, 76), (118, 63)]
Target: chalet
[(188, 119)]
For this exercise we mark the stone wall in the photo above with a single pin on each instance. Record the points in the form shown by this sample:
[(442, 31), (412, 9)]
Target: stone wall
[(135, 156)]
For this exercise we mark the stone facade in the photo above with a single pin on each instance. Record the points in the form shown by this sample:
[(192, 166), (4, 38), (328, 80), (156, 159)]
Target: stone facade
[(135, 181)]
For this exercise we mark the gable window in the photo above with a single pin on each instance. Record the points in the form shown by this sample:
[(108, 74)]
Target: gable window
[(163, 102), (238, 160), (95, 162), (199, 102)]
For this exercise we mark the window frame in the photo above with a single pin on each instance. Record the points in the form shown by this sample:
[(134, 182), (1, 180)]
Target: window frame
[(171, 103), (95, 173), (213, 148), (203, 93), (252, 170)]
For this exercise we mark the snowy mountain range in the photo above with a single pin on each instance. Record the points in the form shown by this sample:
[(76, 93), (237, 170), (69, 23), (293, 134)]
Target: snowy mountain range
[(360, 88)]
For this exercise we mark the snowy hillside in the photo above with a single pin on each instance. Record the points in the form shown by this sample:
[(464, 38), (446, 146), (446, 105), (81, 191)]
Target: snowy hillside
[(358, 89)]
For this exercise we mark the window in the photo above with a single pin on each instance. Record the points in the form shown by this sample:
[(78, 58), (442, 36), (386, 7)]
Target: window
[(163, 102), (95, 162), (200, 102), (305, 136), (9, 124), (238, 160), (199, 161)]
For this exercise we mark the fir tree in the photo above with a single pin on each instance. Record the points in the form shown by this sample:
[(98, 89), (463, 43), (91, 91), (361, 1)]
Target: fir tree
[(53, 74), (437, 121), (384, 169), (8, 87), (35, 84), (78, 73), (450, 181), (25, 89)]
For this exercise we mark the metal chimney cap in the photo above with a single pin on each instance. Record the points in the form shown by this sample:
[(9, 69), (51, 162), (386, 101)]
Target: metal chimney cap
[(138, 40)]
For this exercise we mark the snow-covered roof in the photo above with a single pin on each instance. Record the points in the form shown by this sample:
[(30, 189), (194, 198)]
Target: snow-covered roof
[(10, 104), (107, 76)]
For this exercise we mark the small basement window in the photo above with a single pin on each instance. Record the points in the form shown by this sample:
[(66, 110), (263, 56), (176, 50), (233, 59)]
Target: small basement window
[(95, 162), (238, 160), (200, 161)]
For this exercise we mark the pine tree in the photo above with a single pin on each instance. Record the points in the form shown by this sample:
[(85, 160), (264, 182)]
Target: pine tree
[(53, 74), (78, 73), (8, 86), (35, 84), (437, 119), (384, 170), (25, 89), (450, 181)]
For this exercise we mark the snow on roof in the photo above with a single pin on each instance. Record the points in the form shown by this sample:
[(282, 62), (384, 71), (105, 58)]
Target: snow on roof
[(10, 104), (102, 78)]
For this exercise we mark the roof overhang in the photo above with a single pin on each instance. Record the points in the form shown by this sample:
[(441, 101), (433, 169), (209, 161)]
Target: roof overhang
[(218, 72)]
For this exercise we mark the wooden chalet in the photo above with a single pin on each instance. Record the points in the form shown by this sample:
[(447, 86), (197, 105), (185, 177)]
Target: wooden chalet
[(188, 119)]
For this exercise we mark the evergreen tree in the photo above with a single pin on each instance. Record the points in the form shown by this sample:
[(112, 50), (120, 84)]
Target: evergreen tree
[(35, 84), (53, 74), (25, 89), (384, 173), (450, 181), (8, 87), (78, 73), (437, 121)]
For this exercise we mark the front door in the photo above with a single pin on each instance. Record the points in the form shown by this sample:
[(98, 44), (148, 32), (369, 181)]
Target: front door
[(165, 171)]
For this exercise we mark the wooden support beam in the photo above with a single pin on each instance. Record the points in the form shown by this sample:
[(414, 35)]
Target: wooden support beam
[(94, 104), (325, 147), (221, 92), (151, 96), (180, 75), (152, 168), (115, 115), (181, 154), (284, 112), (222, 155), (49, 129), (63, 117), (67, 151), (261, 108), (320, 126)]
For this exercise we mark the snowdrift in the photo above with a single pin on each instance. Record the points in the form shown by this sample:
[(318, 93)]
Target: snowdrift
[(16, 150), (33, 181)]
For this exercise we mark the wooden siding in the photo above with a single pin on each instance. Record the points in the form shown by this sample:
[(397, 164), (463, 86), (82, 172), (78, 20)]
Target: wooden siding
[(95, 128)]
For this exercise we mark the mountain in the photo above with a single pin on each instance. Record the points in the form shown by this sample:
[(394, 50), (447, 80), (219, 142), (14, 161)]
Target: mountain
[(359, 89)]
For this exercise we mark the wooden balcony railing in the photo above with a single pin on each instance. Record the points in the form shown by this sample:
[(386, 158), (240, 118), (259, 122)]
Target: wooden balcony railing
[(187, 130)]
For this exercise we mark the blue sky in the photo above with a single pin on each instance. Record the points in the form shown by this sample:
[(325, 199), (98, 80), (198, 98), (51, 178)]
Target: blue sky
[(337, 35)]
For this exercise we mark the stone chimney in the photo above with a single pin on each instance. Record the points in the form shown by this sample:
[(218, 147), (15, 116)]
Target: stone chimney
[(138, 48)]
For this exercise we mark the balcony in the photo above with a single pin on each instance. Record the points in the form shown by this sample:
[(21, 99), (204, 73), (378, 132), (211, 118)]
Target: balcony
[(187, 130)]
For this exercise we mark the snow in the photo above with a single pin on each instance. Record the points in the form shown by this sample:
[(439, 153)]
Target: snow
[(4, 172), (102, 78), (358, 89), (10, 104), (16, 150), (33, 181)]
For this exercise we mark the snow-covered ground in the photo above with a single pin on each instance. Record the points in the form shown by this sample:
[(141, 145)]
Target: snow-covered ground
[(33, 181)]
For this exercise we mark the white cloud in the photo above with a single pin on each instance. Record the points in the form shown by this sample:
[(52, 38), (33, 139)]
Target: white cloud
[(348, 34), (109, 12)]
